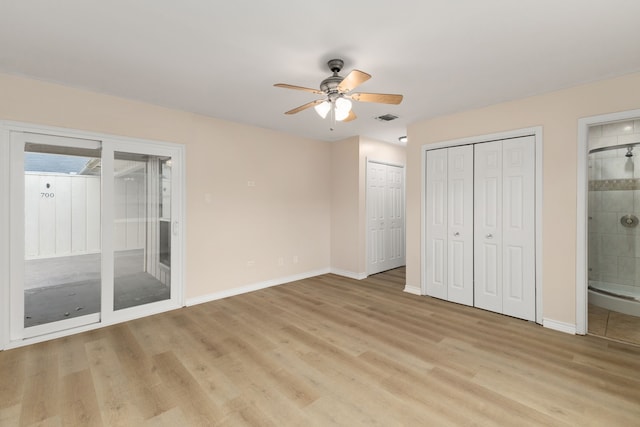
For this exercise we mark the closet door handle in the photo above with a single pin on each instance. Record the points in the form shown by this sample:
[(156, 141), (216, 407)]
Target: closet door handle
[(456, 234), (489, 236)]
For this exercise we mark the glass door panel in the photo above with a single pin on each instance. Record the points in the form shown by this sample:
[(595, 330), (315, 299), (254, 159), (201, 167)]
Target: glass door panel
[(60, 282), (142, 229)]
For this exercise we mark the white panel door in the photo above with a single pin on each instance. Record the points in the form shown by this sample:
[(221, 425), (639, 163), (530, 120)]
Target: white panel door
[(518, 227), (488, 226), (385, 217), (460, 225), (436, 224), (395, 213), (504, 265), (376, 239)]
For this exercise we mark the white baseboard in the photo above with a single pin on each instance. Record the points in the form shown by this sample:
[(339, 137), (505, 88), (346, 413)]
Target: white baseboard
[(349, 274), (254, 287), (568, 328), (412, 290)]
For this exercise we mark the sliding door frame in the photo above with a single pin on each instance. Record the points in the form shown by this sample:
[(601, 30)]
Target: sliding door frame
[(10, 186), (5, 229)]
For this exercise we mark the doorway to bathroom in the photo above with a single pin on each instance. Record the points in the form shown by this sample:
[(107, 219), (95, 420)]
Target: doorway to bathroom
[(611, 187)]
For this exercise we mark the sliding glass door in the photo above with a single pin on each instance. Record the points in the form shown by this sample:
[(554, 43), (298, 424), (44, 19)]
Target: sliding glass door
[(95, 231)]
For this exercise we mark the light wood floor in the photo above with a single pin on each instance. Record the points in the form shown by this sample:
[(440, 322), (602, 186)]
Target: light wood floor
[(318, 352)]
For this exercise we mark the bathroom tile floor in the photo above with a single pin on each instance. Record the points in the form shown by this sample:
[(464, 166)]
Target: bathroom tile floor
[(614, 325)]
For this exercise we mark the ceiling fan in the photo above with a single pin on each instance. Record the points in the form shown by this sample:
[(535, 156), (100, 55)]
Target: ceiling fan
[(337, 96)]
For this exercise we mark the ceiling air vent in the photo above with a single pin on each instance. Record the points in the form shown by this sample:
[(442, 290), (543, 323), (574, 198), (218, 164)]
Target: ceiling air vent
[(386, 117)]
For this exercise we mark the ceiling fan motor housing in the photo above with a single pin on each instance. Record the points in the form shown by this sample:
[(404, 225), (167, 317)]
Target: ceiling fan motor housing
[(330, 84)]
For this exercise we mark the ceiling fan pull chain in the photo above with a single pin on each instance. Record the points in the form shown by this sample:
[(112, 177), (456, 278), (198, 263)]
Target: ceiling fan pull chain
[(333, 116)]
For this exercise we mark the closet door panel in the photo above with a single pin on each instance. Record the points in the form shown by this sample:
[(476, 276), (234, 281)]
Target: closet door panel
[(436, 224), (488, 226), (460, 225), (395, 207), (376, 238), (519, 228)]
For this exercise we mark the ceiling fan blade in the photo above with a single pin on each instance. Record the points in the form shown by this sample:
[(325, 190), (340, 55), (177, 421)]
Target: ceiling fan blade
[(354, 79), (305, 106), (351, 116), (306, 89), (383, 98)]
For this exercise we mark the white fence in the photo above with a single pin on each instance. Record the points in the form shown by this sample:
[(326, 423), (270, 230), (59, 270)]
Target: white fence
[(62, 214)]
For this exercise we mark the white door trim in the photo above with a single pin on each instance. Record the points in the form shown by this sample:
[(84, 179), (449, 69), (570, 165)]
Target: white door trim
[(16, 237), (535, 131), (366, 206), (582, 209), (9, 204), (4, 231)]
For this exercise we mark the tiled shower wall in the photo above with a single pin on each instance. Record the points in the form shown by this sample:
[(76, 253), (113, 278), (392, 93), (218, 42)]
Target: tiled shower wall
[(614, 191)]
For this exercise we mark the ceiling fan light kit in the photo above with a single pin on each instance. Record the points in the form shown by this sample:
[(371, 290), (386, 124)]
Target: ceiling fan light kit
[(323, 109), (336, 94), (342, 108)]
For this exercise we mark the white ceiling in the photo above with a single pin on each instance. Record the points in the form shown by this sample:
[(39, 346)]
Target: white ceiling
[(221, 58)]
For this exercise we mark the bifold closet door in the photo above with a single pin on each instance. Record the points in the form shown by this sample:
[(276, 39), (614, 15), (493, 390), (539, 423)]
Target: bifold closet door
[(504, 227), (460, 225), (436, 224), (385, 217), (449, 228)]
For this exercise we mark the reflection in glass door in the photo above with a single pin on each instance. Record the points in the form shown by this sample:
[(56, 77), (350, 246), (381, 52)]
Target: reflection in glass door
[(142, 229)]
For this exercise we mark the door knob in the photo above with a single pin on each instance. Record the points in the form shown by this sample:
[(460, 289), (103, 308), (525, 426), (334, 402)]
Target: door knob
[(456, 234), (489, 236)]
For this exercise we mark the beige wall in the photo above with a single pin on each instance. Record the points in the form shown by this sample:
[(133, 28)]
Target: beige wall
[(286, 214), (344, 206), (558, 114)]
